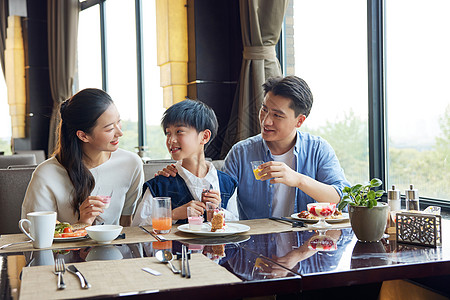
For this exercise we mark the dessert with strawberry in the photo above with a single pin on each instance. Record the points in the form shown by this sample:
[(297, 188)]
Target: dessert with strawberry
[(321, 210)]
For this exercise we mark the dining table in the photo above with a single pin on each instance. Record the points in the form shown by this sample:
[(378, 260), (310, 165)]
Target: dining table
[(267, 257)]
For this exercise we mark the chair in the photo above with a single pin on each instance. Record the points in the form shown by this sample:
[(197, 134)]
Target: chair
[(40, 154), (17, 159), (153, 166), (13, 185), (22, 167), (218, 164)]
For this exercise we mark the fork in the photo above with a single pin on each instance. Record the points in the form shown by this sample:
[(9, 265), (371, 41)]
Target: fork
[(60, 268)]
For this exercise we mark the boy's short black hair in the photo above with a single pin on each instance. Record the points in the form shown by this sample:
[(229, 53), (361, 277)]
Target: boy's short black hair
[(294, 88), (191, 113)]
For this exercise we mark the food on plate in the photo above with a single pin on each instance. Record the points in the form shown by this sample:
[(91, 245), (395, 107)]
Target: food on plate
[(218, 220), (306, 215), (65, 230)]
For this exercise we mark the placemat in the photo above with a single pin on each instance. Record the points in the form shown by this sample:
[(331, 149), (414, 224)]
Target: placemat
[(132, 235), (257, 226), (121, 276)]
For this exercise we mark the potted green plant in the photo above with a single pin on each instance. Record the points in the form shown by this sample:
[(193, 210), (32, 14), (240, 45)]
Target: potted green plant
[(368, 217)]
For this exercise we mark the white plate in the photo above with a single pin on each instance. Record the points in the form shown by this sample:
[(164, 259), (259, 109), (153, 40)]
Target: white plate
[(231, 228), (70, 239), (344, 218)]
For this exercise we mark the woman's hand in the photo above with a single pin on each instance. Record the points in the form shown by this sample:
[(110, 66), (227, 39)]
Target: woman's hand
[(180, 213), (211, 196), (90, 209)]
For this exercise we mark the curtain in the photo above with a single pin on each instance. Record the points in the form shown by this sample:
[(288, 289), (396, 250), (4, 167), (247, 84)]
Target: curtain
[(62, 27), (261, 23), (3, 25)]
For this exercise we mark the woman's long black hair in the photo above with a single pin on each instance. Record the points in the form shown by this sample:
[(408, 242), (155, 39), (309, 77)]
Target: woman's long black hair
[(80, 112)]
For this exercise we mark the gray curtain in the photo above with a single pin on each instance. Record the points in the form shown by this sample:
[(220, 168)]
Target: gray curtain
[(62, 22), (3, 25), (261, 22)]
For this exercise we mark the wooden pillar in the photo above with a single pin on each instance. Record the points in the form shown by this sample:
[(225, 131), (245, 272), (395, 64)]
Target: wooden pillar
[(172, 49)]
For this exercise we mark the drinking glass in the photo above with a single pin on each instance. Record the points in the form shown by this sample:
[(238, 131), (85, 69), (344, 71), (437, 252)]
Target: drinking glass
[(194, 219), (106, 199), (322, 211), (256, 169), (210, 207), (161, 215)]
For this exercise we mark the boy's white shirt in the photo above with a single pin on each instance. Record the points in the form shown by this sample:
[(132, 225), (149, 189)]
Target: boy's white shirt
[(195, 186)]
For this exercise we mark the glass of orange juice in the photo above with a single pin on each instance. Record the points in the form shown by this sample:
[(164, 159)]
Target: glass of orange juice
[(256, 169), (161, 215)]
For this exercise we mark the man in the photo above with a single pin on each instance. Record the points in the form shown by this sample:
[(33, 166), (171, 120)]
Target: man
[(299, 168)]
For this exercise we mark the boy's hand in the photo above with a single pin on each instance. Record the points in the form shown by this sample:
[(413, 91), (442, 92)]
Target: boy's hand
[(180, 213), (211, 196), (168, 171)]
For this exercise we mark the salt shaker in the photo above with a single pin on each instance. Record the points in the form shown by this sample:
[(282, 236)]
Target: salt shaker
[(394, 200), (412, 198)]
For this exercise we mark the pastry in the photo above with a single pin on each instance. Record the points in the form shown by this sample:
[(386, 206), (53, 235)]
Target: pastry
[(217, 221)]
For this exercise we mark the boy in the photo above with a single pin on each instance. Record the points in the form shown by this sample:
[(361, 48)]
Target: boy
[(190, 126)]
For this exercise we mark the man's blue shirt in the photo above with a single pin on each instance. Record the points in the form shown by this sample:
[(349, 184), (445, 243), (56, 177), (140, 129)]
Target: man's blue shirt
[(314, 158)]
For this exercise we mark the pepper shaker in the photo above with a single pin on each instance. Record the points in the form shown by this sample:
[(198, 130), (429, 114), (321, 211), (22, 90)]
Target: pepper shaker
[(412, 198)]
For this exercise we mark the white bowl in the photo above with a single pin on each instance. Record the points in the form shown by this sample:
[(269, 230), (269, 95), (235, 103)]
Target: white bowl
[(104, 234)]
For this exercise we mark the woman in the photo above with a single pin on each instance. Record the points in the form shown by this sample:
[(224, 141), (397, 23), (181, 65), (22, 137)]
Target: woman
[(87, 164)]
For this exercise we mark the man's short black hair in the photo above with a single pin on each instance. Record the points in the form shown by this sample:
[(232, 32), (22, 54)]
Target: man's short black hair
[(294, 88), (191, 113)]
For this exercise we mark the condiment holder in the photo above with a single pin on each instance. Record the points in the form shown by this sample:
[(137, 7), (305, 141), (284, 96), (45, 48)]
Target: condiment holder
[(419, 228)]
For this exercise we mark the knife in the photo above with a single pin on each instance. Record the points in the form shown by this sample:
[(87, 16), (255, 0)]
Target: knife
[(294, 222), (84, 284)]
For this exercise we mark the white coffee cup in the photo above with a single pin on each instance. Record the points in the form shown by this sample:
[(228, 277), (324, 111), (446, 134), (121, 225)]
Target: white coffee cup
[(41, 227)]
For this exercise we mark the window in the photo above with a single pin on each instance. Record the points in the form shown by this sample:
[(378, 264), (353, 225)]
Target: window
[(154, 109), (121, 61), (330, 51), (89, 52), (5, 119), (121, 66), (418, 105)]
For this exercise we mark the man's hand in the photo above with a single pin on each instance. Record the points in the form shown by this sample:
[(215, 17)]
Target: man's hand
[(279, 172), (180, 213), (168, 171)]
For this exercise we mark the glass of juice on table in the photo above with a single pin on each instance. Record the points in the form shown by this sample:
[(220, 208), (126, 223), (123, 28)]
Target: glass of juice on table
[(195, 220), (256, 169), (161, 215)]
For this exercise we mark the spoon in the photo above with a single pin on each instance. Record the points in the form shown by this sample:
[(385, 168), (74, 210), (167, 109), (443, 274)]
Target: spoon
[(165, 256)]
